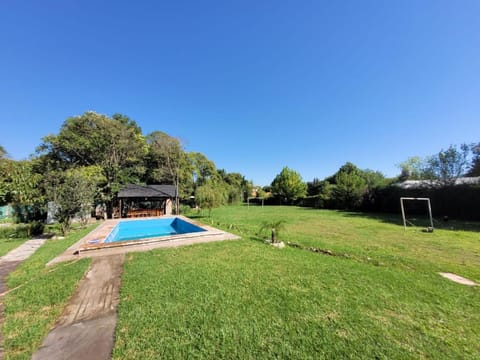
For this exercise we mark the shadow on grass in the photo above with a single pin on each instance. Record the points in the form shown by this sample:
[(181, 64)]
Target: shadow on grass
[(396, 219)]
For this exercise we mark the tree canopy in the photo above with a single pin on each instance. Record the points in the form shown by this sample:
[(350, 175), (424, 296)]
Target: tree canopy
[(288, 185)]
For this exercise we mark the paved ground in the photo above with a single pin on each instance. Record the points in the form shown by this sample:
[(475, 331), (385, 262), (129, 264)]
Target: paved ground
[(92, 244), (86, 328), (8, 263)]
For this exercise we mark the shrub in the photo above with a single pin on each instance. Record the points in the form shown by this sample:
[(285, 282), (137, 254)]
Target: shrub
[(35, 228)]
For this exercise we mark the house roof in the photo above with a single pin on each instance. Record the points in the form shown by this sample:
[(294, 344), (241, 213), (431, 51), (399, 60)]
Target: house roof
[(416, 184), (147, 191)]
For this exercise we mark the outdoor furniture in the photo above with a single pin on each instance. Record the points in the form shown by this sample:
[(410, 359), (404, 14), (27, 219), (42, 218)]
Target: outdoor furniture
[(143, 213)]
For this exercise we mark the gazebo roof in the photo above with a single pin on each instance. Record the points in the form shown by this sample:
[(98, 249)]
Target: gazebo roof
[(147, 191)]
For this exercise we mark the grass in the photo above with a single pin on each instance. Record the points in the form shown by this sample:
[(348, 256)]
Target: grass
[(7, 244), (39, 295), (246, 300)]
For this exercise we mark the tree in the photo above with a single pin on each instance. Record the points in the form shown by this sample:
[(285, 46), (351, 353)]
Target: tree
[(288, 186), (349, 187), (116, 145), (210, 195), (167, 158), (237, 186), (475, 165), (448, 165), (19, 185), (414, 168), (202, 168), (76, 194)]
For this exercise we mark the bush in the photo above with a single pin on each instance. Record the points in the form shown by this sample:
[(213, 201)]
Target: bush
[(185, 209), (14, 231), (456, 202), (35, 228)]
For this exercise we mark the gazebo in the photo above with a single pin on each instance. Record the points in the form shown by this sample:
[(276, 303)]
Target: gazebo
[(146, 200)]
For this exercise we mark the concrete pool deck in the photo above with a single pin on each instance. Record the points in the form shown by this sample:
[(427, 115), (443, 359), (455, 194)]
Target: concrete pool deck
[(92, 245)]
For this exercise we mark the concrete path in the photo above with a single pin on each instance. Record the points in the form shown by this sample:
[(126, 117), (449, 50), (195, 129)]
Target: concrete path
[(8, 263), (86, 329)]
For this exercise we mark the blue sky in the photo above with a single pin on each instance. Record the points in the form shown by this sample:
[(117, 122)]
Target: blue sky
[(254, 85)]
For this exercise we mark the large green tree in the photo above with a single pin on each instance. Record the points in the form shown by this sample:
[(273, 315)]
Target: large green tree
[(450, 164), (210, 194), (349, 186), (237, 187), (19, 186), (168, 163), (115, 144), (288, 186), (203, 169)]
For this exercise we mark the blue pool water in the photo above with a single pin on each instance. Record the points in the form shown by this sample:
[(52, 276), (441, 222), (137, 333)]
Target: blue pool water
[(142, 229)]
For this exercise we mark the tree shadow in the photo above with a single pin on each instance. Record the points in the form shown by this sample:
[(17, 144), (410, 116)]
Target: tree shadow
[(396, 219)]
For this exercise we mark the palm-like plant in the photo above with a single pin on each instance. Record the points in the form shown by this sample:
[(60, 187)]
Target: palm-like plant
[(274, 226)]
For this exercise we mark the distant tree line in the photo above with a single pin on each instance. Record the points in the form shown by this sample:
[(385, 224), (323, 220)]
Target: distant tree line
[(94, 155), (352, 188)]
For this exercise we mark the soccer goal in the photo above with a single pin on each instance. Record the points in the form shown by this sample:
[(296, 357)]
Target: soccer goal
[(402, 204), (255, 201)]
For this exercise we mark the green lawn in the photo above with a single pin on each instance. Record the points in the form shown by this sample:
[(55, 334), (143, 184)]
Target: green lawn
[(9, 244), (381, 298), (38, 297)]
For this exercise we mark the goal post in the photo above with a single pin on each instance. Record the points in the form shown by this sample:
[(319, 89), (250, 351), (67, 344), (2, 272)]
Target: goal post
[(254, 198), (402, 199)]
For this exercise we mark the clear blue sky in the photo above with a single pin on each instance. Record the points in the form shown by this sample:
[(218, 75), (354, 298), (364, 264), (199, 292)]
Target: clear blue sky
[(254, 85)]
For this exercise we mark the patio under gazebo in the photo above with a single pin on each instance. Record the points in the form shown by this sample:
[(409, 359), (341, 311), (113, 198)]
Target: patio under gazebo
[(146, 200)]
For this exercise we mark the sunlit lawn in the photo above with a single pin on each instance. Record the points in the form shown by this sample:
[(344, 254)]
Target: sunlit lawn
[(381, 297), (38, 296), (7, 244)]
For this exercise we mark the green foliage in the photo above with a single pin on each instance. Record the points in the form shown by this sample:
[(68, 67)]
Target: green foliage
[(17, 231), (237, 187), (19, 183), (203, 169), (448, 165), (211, 194), (288, 186), (76, 195), (273, 226), (116, 145), (349, 188), (168, 163), (414, 168), (475, 165), (444, 167)]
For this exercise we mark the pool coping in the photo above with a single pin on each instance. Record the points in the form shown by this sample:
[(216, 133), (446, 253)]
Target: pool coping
[(92, 244)]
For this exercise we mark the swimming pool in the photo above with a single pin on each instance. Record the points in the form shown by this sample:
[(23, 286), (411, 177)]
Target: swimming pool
[(152, 228)]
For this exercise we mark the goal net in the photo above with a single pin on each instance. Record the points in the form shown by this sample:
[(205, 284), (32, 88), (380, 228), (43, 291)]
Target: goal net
[(416, 212)]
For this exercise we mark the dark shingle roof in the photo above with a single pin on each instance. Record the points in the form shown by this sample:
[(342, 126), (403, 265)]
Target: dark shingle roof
[(139, 191)]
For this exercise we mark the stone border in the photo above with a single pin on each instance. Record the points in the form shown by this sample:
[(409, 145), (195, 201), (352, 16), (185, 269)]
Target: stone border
[(92, 245)]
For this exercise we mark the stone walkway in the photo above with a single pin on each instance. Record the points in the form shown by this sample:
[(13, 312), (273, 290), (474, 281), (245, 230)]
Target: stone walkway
[(8, 263), (86, 329)]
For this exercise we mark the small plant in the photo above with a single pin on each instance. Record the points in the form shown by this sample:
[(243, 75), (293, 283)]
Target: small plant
[(274, 226)]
